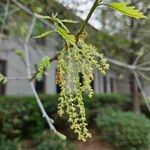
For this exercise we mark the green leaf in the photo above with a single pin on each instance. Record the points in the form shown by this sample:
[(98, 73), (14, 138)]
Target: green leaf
[(69, 21), (3, 79), (19, 53), (42, 66), (67, 37), (43, 34), (42, 17), (63, 26), (127, 10)]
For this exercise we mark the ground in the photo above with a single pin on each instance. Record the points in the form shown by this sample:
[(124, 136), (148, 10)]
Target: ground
[(94, 143)]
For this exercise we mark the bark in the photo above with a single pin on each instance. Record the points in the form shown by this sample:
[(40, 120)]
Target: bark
[(133, 86), (135, 95)]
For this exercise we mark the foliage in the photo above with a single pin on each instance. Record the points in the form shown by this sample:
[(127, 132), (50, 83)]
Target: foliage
[(127, 10), (85, 58), (20, 117), (125, 129), (27, 121), (19, 53), (44, 140), (65, 34), (75, 59), (3, 79), (115, 100), (44, 34), (49, 141), (9, 144), (42, 66)]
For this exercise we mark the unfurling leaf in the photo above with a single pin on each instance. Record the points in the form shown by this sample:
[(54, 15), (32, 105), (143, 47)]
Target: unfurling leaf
[(42, 66), (44, 34), (69, 21), (58, 21), (19, 53), (127, 10), (42, 17), (67, 37), (3, 79)]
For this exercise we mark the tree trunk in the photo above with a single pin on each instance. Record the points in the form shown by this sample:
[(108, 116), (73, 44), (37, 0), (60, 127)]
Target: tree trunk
[(133, 85), (135, 96)]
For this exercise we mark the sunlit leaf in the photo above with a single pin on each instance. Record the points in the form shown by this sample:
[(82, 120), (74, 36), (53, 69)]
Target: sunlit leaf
[(42, 66), (63, 26), (130, 11), (69, 21), (44, 34), (3, 79), (67, 37)]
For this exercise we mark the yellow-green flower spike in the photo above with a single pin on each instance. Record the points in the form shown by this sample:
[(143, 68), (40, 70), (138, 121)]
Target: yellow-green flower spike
[(72, 63)]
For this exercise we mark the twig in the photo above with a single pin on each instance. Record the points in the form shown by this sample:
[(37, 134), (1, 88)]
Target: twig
[(96, 3), (141, 89), (121, 64), (32, 14), (51, 60), (144, 76), (144, 64), (17, 78)]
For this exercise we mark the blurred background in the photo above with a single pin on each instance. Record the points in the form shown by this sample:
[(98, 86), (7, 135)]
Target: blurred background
[(119, 112)]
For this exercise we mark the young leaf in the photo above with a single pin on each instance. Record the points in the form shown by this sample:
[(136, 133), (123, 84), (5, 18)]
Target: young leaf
[(63, 26), (127, 10), (67, 37), (42, 17), (3, 79), (69, 21), (44, 34), (19, 53), (42, 66)]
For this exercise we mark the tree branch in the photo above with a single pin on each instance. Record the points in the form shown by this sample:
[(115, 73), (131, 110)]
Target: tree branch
[(51, 60), (45, 115), (32, 14), (141, 89), (17, 78)]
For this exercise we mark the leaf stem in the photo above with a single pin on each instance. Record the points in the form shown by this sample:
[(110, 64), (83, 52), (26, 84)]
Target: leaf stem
[(96, 3)]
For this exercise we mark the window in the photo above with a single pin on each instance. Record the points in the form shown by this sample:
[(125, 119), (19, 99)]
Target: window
[(40, 85), (105, 84), (111, 85), (2, 71)]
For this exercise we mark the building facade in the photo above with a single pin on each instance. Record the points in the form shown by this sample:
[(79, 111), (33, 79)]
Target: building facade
[(12, 66)]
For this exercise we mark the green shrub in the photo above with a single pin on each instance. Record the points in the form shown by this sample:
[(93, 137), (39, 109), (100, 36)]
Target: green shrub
[(8, 144), (125, 129), (21, 117), (41, 141), (99, 100), (47, 141)]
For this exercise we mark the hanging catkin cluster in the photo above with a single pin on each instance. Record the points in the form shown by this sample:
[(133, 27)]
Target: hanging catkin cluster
[(72, 62)]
